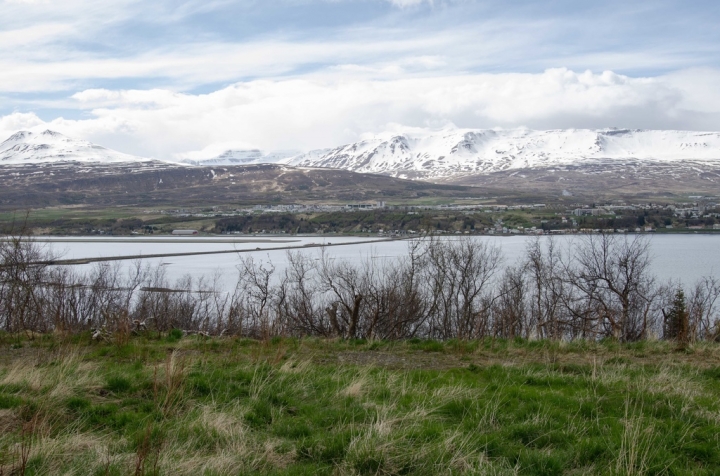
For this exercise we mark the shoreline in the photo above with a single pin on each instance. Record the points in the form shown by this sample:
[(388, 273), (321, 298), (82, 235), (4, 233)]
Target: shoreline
[(101, 259)]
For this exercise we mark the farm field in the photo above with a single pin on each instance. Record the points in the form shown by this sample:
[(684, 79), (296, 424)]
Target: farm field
[(173, 404)]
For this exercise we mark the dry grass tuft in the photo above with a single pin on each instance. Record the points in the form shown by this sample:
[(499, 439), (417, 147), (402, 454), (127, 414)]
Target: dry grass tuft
[(58, 379), (227, 423), (462, 456), (9, 421), (295, 367), (453, 392), (359, 384), (636, 445), (24, 373), (672, 381), (355, 389)]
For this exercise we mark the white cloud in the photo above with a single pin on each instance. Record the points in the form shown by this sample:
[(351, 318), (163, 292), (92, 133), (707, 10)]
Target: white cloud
[(408, 3), (18, 121), (75, 44), (314, 112), (414, 3), (699, 87), (326, 85), (203, 63)]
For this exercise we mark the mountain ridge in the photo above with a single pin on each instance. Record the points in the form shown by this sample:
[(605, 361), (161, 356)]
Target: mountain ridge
[(445, 155), (26, 147), (464, 152), (42, 169)]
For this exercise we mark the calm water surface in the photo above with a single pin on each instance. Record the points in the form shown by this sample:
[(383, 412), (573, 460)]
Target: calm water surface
[(683, 257)]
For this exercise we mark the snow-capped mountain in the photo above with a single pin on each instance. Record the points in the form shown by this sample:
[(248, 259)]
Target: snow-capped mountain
[(447, 155), (457, 152), (246, 157), (26, 147)]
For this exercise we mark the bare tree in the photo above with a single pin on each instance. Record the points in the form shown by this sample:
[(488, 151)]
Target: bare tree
[(460, 273), (256, 297), (704, 309), (23, 273), (301, 308), (405, 295), (510, 316), (548, 284), (154, 301), (345, 283), (600, 286), (613, 274)]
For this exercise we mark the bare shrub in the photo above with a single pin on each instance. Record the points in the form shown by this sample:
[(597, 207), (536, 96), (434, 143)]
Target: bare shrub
[(23, 271), (599, 286), (397, 304), (347, 285), (612, 274), (510, 309), (704, 310), (548, 287), (460, 274), (301, 307), (257, 301)]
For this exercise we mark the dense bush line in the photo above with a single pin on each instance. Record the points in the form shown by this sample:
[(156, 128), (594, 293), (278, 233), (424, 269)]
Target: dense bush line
[(599, 286)]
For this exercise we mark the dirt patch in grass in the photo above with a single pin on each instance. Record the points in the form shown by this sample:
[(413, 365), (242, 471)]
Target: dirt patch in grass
[(402, 358), (391, 360)]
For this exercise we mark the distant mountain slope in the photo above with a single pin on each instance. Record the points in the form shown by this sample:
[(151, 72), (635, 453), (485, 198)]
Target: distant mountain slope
[(26, 147), (459, 153), (153, 184), (559, 163)]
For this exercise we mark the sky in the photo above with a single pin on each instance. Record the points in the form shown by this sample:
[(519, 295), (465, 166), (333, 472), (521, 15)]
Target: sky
[(190, 79)]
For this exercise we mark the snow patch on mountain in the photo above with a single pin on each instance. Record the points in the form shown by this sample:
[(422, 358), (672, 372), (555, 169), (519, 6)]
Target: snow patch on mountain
[(458, 152), (418, 154), (245, 157), (27, 147)]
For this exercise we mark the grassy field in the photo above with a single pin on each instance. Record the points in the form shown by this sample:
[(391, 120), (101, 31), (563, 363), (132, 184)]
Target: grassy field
[(50, 214), (196, 406)]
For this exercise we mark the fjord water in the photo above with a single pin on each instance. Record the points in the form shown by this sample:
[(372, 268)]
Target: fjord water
[(679, 257)]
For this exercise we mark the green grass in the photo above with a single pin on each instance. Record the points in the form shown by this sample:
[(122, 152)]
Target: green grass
[(288, 406), (71, 213)]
